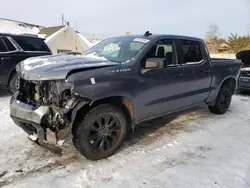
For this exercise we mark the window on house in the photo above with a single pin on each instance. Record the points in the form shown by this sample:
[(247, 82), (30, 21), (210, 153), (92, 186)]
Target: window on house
[(60, 51), (191, 51)]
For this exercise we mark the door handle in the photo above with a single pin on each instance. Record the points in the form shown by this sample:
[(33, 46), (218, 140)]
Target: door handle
[(206, 70), (3, 58), (178, 74)]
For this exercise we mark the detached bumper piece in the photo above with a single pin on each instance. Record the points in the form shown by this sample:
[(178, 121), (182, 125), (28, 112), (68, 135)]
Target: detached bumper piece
[(30, 119)]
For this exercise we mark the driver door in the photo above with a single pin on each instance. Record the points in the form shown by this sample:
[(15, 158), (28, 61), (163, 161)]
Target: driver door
[(162, 84)]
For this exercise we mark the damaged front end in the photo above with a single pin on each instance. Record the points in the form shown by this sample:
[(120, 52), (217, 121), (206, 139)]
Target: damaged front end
[(46, 111)]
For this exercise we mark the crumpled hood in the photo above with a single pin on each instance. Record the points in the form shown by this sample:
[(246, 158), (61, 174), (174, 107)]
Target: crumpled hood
[(57, 67)]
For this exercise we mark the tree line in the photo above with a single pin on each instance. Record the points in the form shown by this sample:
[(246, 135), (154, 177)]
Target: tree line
[(233, 44)]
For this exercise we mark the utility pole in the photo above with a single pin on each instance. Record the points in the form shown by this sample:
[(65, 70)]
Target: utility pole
[(248, 30), (76, 36), (62, 19)]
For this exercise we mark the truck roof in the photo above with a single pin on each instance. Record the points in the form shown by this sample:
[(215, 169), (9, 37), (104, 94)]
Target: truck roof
[(155, 36)]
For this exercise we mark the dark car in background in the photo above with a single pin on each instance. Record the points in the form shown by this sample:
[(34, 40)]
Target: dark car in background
[(14, 49), (244, 80)]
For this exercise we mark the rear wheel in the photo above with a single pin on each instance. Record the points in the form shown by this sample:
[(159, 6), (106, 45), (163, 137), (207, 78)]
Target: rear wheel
[(101, 133), (14, 83), (223, 100)]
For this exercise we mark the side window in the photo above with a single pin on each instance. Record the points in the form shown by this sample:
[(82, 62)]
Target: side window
[(9, 45), (163, 51), (191, 51), (3, 47)]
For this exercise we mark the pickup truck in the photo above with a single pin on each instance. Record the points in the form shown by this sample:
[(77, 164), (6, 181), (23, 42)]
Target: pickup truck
[(16, 48), (98, 97)]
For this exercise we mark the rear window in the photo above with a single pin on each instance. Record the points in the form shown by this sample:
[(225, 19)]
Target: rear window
[(191, 51), (31, 44)]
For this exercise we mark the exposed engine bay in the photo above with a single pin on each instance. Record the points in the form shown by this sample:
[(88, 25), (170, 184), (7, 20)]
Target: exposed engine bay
[(58, 101)]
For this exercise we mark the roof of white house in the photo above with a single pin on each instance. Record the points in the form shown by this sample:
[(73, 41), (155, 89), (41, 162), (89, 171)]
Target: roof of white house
[(51, 32), (17, 27), (90, 44)]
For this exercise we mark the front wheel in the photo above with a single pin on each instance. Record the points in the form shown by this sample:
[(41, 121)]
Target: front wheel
[(223, 101), (101, 132), (14, 83)]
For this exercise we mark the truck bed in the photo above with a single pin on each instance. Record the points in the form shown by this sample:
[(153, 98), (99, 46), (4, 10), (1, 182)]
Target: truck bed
[(224, 61)]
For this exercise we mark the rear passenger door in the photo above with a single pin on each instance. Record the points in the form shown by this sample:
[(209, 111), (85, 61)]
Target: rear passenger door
[(197, 72)]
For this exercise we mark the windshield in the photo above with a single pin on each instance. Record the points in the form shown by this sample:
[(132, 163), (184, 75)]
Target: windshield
[(119, 49)]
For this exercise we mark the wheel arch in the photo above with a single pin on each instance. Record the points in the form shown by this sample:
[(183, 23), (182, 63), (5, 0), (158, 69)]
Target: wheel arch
[(228, 80), (119, 101), (12, 72), (231, 81)]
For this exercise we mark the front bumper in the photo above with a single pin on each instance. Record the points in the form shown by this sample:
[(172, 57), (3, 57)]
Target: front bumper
[(30, 118), (244, 83)]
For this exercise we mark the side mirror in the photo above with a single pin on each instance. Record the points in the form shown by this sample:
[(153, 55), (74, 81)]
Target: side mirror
[(154, 63)]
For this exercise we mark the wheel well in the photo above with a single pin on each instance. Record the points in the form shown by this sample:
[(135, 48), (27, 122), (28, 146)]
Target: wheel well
[(10, 76), (231, 82), (122, 102)]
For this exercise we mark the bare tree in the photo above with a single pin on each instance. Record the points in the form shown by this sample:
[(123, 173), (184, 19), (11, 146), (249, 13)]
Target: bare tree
[(212, 32), (212, 37)]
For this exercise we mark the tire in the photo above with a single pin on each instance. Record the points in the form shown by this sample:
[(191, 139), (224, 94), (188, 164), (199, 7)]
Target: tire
[(223, 100), (101, 132), (14, 83)]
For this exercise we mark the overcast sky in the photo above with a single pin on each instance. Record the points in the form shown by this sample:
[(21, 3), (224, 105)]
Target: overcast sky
[(116, 17)]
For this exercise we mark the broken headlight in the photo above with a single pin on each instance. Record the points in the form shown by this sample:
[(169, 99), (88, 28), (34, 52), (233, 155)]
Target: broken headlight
[(67, 99)]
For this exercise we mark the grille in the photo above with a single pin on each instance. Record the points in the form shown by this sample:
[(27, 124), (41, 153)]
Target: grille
[(245, 73)]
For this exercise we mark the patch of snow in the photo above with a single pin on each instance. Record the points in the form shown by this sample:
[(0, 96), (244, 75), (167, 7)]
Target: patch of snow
[(27, 63), (92, 55), (42, 36), (15, 27), (197, 149)]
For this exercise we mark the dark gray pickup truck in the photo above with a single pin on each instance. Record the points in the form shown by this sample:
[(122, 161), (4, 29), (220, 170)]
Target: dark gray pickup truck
[(97, 97)]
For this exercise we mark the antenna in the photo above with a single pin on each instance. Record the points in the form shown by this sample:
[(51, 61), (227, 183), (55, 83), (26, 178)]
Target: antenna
[(147, 34), (75, 37)]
